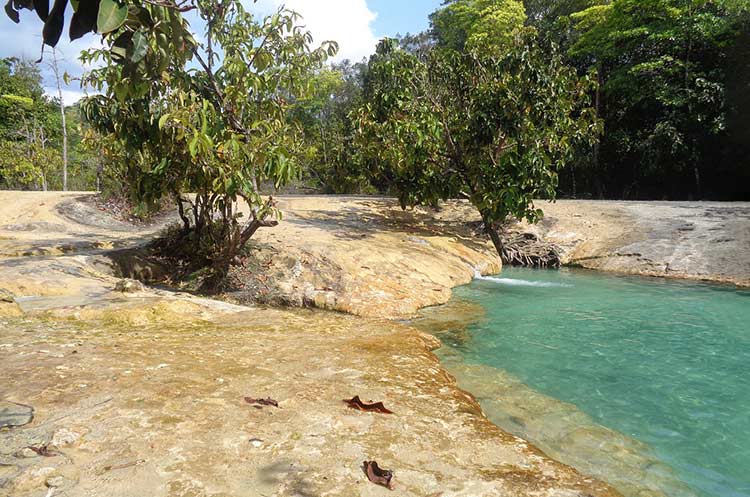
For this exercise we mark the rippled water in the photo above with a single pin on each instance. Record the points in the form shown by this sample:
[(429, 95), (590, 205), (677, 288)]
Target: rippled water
[(663, 363)]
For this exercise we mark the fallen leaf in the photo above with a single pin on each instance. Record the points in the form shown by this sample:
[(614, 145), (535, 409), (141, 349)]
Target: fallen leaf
[(43, 451), (378, 476), (356, 403), (262, 402)]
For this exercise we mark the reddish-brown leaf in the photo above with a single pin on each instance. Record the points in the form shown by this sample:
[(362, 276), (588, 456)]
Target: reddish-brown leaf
[(356, 403), (43, 451), (262, 402), (377, 475)]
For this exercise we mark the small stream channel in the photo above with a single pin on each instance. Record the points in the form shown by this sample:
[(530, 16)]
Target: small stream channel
[(642, 382)]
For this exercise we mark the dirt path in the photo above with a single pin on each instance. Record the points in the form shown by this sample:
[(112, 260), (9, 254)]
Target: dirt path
[(143, 393)]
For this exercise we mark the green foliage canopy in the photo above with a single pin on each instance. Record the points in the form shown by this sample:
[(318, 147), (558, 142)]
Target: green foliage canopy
[(30, 129), (477, 24), (491, 128), (325, 115), (218, 131)]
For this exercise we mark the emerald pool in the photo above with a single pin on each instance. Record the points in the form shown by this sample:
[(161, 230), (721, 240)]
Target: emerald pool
[(642, 382)]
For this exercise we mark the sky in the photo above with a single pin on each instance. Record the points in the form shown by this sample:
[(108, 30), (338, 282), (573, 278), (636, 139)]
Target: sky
[(356, 25)]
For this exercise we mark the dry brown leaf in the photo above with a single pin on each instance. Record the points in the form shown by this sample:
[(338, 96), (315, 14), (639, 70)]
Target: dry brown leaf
[(356, 403), (262, 402), (377, 475)]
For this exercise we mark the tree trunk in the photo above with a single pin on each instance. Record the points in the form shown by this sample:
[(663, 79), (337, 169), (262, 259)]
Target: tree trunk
[(43, 141), (62, 115), (597, 108), (181, 211), (325, 152), (490, 229), (573, 180), (697, 174)]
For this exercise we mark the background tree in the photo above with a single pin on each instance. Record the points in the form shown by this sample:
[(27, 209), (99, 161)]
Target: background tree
[(29, 129), (325, 114), (490, 128), (473, 24), (63, 125)]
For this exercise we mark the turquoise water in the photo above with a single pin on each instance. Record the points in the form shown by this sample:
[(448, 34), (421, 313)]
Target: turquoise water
[(664, 362)]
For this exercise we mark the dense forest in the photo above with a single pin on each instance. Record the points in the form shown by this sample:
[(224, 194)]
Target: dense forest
[(672, 93)]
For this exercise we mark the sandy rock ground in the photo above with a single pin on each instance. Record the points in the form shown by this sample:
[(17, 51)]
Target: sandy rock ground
[(142, 392), (365, 256), (694, 240)]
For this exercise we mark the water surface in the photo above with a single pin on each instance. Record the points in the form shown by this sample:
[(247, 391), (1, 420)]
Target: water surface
[(662, 367)]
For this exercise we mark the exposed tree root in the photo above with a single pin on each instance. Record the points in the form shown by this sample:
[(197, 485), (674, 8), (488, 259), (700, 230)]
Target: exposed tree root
[(520, 249), (526, 249)]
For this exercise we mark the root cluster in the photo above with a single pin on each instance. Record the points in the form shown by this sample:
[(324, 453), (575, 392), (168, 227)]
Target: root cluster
[(526, 249)]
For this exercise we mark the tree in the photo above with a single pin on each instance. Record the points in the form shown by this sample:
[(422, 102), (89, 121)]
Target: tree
[(29, 163), (20, 77), (552, 18), (477, 24), (325, 115), (218, 131), (419, 44), (58, 83), (490, 128), (21, 94)]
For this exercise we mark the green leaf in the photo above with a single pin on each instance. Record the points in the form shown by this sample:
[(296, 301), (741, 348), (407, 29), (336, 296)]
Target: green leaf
[(53, 26), (193, 146), (163, 120), (12, 13), (121, 91), (111, 16), (261, 61), (41, 7), (84, 19), (138, 47), (161, 167)]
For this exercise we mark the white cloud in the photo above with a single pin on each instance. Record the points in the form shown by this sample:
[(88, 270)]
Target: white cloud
[(348, 22), (69, 96)]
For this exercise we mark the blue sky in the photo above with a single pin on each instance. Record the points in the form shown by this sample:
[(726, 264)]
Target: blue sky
[(402, 16), (356, 24)]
